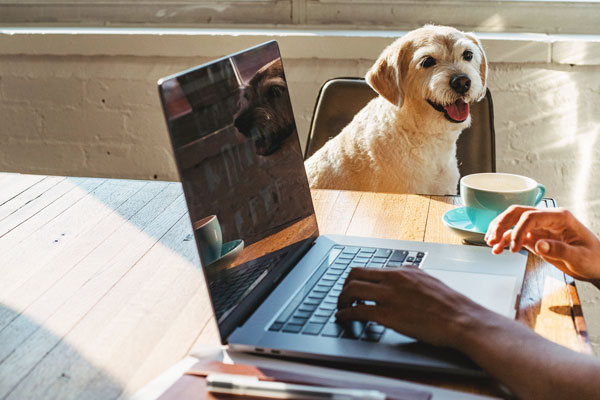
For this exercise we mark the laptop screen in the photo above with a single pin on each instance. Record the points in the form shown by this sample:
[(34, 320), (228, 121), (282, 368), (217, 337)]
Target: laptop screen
[(241, 166)]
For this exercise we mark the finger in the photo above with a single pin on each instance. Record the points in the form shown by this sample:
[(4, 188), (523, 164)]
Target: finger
[(359, 290), (531, 238), (367, 274), (360, 312), (501, 245), (503, 222), (557, 250), (526, 223)]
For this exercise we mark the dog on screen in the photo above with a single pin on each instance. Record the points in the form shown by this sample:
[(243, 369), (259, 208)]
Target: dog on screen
[(265, 112), (404, 140)]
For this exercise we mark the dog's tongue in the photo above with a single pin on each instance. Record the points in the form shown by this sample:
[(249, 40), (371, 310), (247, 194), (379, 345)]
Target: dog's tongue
[(458, 111)]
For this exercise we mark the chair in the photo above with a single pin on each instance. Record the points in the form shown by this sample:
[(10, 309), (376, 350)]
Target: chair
[(341, 98)]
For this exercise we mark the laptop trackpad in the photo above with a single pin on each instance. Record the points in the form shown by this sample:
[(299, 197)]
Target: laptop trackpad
[(495, 292)]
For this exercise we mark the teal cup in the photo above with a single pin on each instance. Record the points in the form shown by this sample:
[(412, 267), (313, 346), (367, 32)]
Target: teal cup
[(209, 239), (487, 195)]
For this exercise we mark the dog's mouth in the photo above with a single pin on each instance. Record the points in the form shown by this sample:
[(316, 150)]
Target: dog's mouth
[(456, 112)]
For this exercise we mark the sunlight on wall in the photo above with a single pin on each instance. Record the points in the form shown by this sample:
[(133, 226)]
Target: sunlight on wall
[(560, 107), (580, 134), (580, 193), (568, 93), (494, 23)]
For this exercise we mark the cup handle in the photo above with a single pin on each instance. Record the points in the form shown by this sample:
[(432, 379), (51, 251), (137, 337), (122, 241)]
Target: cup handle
[(541, 193)]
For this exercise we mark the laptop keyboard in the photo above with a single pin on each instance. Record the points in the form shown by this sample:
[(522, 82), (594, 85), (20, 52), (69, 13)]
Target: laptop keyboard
[(311, 311)]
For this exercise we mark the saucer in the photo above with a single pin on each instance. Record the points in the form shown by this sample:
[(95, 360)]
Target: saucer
[(229, 252), (458, 221)]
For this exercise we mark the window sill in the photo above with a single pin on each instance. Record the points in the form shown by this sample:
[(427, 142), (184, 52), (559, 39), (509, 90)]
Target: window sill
[(330, 44)]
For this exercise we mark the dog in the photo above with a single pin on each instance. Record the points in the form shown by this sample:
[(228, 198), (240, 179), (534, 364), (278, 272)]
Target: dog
[(404, 140), (265, 113)]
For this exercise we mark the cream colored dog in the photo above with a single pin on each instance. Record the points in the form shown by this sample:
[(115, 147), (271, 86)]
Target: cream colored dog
[(404, 140)]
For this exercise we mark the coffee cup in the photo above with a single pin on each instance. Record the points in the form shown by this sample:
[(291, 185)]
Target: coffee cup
[(209, 238), (487, 195)]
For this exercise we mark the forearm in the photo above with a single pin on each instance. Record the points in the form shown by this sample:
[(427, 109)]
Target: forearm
[(529, 365)]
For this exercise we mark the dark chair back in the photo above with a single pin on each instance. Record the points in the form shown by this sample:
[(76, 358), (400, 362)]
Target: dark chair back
[(341, 98)]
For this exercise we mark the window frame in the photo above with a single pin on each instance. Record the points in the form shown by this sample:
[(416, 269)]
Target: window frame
[(532, 16)]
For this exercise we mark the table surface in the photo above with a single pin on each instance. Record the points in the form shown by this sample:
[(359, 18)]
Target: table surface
[(101, 289)]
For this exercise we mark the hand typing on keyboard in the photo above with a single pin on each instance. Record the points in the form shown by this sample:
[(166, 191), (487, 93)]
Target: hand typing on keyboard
[(418, 305), (311, 310), (407, 300)]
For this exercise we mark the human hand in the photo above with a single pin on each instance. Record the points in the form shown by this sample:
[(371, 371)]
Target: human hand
[(554, 234), (409, 301)]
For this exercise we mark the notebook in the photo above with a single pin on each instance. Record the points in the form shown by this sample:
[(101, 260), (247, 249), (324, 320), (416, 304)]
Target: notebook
[(192, 385), (272, 278)]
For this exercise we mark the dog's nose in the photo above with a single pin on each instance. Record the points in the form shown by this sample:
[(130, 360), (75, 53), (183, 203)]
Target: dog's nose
[(243, 123), (460, 83)]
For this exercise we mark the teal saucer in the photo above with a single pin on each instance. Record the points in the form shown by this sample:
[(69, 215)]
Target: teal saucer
[(229, 252), (459, 223)]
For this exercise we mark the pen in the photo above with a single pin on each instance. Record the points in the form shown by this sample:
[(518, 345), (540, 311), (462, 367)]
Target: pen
[(250, 386)]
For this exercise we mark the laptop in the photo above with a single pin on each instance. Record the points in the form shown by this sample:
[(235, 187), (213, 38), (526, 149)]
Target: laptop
[(275, 282)]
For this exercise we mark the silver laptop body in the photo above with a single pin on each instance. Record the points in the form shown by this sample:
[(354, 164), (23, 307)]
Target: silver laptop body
[(274, 286)]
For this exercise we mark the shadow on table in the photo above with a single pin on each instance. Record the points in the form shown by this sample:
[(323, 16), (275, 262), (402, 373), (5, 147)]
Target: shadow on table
[(36, 363)]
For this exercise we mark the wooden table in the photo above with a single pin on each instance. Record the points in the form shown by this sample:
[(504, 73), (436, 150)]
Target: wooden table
[(101, 290)]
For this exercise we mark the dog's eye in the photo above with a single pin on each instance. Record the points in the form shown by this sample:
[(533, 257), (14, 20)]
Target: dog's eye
[(468, 55), (276, 91), (428, 62)]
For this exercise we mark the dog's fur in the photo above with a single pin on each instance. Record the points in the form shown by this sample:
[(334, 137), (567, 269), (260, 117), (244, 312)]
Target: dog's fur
[(265, 112), (404, 141)]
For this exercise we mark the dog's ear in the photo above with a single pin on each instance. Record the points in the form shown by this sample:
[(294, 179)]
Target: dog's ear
[(385, 77), (483, 67)]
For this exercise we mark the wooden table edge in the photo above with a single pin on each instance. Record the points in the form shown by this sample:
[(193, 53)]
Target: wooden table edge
[(577, 315)]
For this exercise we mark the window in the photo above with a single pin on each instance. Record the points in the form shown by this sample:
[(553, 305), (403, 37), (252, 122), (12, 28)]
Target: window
[(538, 16)]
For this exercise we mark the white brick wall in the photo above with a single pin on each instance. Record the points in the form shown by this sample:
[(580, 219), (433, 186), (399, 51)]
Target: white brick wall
[(90, 110), (89, 116), (102, 109)]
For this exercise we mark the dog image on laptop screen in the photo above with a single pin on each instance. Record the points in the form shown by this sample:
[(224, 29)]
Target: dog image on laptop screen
[(265, 113), (404, 140)]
